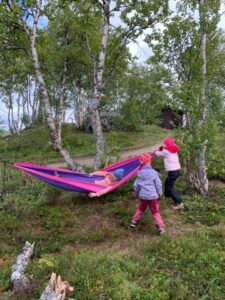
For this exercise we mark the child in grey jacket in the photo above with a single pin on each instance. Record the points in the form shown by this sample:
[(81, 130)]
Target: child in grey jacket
[(148, 188)]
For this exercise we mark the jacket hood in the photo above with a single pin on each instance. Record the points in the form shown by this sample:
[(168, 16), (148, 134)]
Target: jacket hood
[(170, 145), (145, 158)]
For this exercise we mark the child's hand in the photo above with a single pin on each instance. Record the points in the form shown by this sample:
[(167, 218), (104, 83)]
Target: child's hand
[(92, 174), (91, 195)]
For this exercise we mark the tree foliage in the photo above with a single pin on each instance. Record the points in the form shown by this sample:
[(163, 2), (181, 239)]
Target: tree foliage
[(178, 47)]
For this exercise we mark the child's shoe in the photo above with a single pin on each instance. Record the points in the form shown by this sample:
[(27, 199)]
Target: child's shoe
[(91, 195), (161, 231), (179, 206), (133, 224)]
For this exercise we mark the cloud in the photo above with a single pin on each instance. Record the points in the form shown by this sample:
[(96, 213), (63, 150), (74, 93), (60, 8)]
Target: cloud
[(42, 22), (222, 19)]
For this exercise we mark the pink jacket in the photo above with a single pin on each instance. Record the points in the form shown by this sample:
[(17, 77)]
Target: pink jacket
[(171, 160)]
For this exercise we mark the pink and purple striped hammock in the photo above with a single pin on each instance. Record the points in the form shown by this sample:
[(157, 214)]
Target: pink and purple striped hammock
[(80, 182)]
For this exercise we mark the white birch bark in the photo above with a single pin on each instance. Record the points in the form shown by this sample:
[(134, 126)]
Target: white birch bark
[(43, 90), (19, 121), (60, 110), (13, 120), (9, 107), (30, 102), (79, 104), (34, 102), (28, 99), (202, 174), (56, 289), (97, 89), (198, 178), (21, 283)]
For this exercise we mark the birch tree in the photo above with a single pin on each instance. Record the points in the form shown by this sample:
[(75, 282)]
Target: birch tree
[(190, 47), (66, 64), (21, 15), (201, 171), (136, 16), (80, 104), (14, 88), (30, 103), (98, 68)]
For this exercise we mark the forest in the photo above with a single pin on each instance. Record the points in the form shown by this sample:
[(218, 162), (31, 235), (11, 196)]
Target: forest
[(106, 86)]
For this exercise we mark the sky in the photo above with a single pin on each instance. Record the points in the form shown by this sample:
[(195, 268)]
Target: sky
[(140, 49)]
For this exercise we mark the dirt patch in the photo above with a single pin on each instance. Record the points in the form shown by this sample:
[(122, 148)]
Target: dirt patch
[(219, 182), (89, 160), (93, 222)]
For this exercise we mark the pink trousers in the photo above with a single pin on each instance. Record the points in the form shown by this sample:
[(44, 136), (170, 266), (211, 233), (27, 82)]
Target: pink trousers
[(154, 208)]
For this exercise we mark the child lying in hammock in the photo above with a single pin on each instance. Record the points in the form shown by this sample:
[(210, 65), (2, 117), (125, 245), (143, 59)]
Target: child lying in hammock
[(110, 179)]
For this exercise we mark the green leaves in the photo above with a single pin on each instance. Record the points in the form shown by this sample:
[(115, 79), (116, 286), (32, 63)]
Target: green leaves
[(179, 48), (145, 94)]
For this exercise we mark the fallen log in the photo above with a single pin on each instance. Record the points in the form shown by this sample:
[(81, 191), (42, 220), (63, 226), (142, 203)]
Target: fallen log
[(21, 283), (56, 289)]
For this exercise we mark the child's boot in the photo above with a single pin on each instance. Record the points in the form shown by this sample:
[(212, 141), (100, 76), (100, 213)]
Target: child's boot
[(179, 206), (161, 231), (133, 224)]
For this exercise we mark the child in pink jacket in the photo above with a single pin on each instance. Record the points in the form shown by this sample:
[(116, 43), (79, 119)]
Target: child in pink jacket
[(169, 153)]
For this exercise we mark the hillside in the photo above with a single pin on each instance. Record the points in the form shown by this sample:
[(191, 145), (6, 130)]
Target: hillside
[(117, 70), (90, 244), (33, 145)]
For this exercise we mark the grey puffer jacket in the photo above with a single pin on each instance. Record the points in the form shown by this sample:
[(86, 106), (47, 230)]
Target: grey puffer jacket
[(147, 185)]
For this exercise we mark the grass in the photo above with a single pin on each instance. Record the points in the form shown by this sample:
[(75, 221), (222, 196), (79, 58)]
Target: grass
[(33, 145), (90, 244)]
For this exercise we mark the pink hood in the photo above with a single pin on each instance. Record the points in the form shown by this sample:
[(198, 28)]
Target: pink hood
[(170, 145)]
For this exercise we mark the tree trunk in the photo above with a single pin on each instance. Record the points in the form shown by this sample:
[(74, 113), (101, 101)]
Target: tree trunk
[(99, 139), (22, 286), (80, 105), (28, 99), (13, 124), (60, 110), (9, 118), (34, 102), (56, 142), (97, 89), (202, 174), (195, 167)]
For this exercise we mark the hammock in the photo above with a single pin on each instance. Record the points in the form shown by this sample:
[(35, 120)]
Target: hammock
[(80, 182)]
